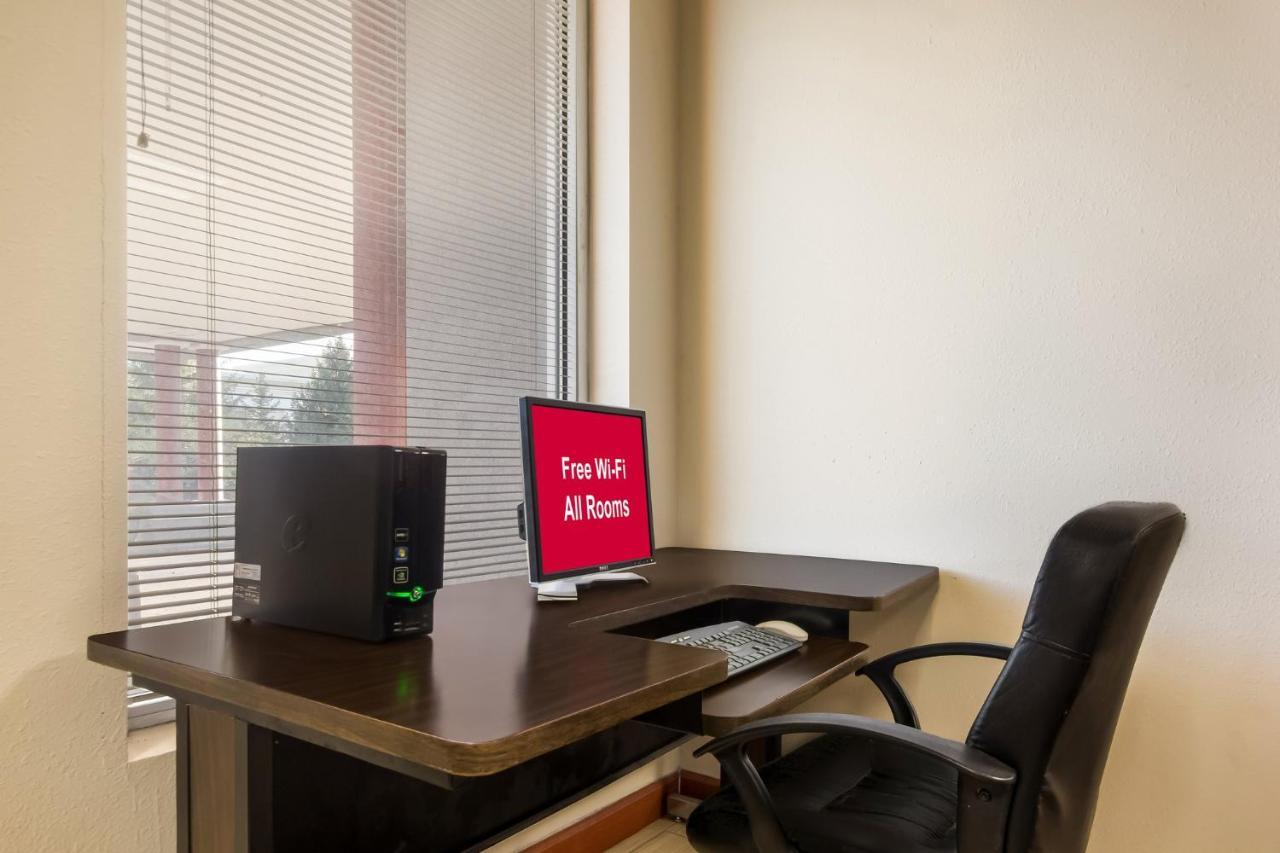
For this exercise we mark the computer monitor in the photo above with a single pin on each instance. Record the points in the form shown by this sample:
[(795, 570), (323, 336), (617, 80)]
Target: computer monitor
[(587, 507)]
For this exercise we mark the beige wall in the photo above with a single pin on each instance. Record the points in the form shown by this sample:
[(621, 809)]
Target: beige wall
[(66, 783), (632, 223), (653, 246), (945, 276), (952, 272)]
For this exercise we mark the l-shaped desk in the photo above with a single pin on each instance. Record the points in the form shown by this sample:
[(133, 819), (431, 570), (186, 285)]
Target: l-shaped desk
[(292, 740)]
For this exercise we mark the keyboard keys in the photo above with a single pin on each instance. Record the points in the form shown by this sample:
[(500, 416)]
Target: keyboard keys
[(746, 646)]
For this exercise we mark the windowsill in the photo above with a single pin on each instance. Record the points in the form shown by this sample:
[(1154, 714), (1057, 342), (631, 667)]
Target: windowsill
[(152, 742)]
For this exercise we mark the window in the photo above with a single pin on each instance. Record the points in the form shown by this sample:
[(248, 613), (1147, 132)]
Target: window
[(349, 221)]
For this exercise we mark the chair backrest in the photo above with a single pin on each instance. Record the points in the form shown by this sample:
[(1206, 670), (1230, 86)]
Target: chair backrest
[(1053, 710)]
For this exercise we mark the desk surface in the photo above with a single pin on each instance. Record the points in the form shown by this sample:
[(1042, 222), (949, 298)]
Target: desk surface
[(503, 678)]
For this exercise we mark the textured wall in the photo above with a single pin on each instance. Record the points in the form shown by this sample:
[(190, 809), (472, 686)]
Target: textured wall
[(66, 783), (952, 272)]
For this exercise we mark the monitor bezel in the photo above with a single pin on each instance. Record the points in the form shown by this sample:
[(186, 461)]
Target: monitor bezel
[(532, 524)]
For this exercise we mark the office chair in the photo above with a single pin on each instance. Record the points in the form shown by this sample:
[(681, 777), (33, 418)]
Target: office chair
[(1027, 776)]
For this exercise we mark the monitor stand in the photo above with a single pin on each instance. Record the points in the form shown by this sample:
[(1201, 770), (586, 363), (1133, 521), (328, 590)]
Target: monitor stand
[(567, 589)]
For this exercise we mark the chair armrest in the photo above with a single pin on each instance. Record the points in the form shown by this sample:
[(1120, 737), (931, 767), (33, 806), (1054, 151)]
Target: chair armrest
[(966, 759), (881, 672), (986, 783)]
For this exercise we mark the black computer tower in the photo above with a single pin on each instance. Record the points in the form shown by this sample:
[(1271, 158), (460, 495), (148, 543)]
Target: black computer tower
[(344, 539)]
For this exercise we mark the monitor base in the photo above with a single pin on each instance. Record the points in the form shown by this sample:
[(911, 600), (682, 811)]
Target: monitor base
[(567, 589)]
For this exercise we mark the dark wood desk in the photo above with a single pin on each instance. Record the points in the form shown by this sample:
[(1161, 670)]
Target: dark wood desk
[(504, 689)]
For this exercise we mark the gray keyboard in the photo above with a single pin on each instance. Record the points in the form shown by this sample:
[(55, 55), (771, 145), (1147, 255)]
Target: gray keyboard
[(746, 645)]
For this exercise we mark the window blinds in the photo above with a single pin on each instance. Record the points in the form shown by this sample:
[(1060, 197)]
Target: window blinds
[(348, 222)]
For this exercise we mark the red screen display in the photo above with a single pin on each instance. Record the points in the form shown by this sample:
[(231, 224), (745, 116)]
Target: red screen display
[(592, 498)]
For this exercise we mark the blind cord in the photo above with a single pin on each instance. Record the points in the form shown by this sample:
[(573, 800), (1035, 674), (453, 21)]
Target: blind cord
[(143, 139)]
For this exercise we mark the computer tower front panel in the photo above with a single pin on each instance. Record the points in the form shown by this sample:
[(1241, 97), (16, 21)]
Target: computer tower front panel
[(416, 569)]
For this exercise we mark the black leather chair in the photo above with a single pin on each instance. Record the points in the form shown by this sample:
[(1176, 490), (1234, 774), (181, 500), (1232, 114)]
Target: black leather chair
[(1027, 776)]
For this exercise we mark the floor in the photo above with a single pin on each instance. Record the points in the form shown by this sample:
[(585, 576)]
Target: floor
[(661, 836)]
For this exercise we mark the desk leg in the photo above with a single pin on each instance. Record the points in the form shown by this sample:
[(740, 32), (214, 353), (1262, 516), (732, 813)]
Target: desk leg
[(182, 773), (216, 790), (764, 750)]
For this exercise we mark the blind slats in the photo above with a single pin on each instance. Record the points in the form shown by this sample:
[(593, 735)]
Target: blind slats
[(350, 222)]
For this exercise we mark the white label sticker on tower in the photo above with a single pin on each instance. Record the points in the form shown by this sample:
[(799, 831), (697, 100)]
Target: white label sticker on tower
[(248, 571)]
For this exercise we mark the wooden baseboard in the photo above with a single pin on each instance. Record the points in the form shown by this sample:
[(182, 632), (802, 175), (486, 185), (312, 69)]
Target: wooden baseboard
[(697, 785), (621, 820), (613, 823)]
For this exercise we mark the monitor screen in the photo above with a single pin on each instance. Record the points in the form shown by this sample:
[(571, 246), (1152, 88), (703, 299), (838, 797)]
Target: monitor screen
[(586, 475)]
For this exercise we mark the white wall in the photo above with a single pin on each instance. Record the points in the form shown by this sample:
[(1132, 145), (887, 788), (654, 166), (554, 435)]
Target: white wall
[(67, 783), (950, 273)]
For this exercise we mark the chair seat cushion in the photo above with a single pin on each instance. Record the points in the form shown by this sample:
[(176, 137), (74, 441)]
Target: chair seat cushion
[(839, 793)]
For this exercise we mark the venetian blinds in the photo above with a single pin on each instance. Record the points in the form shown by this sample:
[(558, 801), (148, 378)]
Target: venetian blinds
[(349, 221)]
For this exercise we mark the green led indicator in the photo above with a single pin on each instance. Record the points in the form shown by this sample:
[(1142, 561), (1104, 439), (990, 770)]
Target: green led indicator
[(414, 594)]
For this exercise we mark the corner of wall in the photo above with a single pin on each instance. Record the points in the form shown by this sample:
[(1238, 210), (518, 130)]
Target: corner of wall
[(633, 313), (652, 292), (691, 325)]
